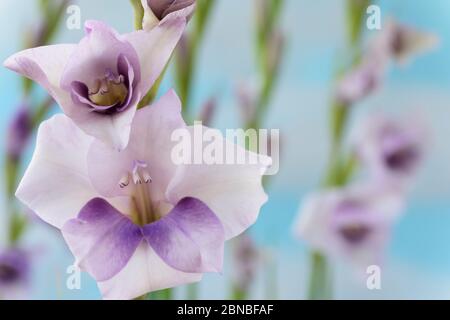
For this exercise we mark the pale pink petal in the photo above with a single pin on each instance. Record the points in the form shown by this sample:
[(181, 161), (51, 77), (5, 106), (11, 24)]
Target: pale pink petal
[(113, 130), (102, 239), (234, 192), (56, 184), (153, 274), (45, 65), (155, 48), (189, 238), (99, 51)]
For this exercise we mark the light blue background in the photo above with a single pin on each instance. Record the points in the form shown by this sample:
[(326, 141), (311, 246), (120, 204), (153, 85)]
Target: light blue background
[(418, 263)]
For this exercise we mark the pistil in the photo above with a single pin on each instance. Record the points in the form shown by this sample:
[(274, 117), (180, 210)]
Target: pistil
[(141, 183)]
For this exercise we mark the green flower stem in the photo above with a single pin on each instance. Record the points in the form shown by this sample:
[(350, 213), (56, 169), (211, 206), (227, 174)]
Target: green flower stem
[(356, 10), (192, 291), (186, 61), (166, 294), (320, 285), (269, 77), (320, 282), (153, 92), (272, 281), (151, 95), (238, 294), (42, 110), (138, 13), (339, 169)]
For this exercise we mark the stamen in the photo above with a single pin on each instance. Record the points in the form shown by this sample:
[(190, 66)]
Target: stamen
[(125, 181), (109, 90), (140, 175), (146, 176), (137, 178), (145, 210), (104, 87)]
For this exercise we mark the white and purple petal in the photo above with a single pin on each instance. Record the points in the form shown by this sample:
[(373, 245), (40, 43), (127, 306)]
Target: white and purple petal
[(45, 65), (190, 238), (102, 239), (234, 192), (145, 272), (56, 184)]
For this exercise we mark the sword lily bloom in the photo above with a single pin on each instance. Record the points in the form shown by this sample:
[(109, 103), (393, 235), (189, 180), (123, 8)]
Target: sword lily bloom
[(135, 220), (99, 82)]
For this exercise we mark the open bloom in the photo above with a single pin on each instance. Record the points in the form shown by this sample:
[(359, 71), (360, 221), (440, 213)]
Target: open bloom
[(351, 224), (99, 81), (156, 11), (392, 149), (135, 220)]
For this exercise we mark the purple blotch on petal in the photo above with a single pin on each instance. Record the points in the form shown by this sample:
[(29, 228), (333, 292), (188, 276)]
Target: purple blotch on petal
[(102, 239), (190, 238)]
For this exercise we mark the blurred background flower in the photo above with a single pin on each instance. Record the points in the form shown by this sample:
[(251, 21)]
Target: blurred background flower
[(353, 224), (14, 274), (391, 149)]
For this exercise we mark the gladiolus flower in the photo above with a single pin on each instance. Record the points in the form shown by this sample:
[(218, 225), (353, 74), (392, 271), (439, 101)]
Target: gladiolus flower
[(352, 224), (99, 82), (391, 149), (135, 220)]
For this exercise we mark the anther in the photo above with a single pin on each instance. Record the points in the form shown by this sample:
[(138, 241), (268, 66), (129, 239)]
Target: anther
[(146, 176), (124, 181)]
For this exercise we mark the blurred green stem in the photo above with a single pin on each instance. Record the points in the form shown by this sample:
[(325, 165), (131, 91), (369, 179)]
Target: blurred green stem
[(268, 72), (320, 285), (320, 282), (185, 67), (166, 294), (187, 55), (153, 92), (356, 13), (192, 291), (238, 294), (151, 95), (138, 13), (339, 169)]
